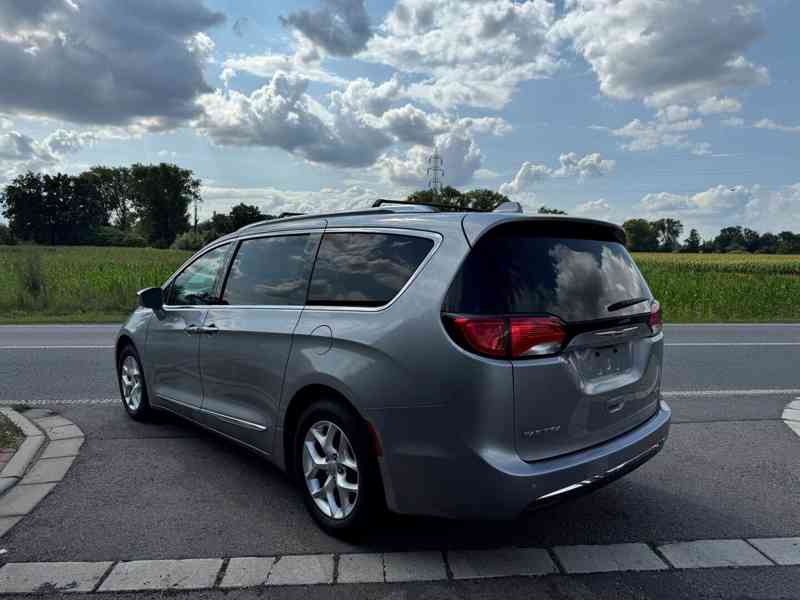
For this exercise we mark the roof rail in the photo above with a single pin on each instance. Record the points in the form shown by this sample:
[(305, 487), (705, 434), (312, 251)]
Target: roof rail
[(433, 205), (508, 207)]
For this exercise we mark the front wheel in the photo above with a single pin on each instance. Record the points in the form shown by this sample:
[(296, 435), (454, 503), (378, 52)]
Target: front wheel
[(336, 468), (132, 386)]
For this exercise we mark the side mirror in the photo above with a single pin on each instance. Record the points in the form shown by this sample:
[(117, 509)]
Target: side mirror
[(151, 298)]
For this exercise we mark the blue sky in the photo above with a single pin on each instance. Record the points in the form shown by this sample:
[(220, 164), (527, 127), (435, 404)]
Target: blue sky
[(605, 108)]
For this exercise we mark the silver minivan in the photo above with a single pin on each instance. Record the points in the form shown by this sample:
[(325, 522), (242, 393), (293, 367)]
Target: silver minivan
[(460, 364)]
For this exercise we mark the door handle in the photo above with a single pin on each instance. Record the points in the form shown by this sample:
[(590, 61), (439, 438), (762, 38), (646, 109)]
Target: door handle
[(192, 329), (210, 329)]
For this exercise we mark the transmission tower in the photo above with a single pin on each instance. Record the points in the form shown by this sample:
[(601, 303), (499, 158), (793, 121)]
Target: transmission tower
[(435, 172)]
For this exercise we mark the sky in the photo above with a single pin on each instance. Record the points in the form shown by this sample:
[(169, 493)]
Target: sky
[(611, 109)]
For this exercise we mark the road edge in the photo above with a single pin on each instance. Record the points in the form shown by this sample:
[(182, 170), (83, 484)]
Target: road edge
[(42, 460)]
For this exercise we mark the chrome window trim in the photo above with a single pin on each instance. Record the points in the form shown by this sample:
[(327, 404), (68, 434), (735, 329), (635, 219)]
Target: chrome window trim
[(436, 238)]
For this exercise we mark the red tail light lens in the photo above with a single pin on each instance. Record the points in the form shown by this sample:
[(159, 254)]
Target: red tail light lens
[(514, 337), (536, 336), (486, 336), (656, 323)]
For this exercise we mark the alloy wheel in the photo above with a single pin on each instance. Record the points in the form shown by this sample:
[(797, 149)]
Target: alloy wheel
[(330, 470), (131, 378)]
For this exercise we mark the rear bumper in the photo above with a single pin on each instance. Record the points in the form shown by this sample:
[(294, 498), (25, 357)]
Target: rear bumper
[(495, 484)]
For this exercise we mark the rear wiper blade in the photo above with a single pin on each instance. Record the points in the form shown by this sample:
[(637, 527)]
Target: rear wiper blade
[(625, 303)]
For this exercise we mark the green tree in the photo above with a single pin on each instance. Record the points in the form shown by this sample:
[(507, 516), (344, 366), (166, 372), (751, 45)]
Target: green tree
[(693, 243), (244, 214), (788, 242), (669, 230), (768, 244), (483, 199), (6, 237), (729, 239), (52, 209), (161, 195), (642, 235), (543, 210), (752, 240), (114, 187)]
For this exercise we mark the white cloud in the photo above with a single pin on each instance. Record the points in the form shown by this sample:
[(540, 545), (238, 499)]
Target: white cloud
[(715, 105), (281, 114), (276, 201), (665, 52), (572, 165), (733, 122), (266, 65), (599, 209), (113, 63), (723, 205), (770, 124), (645, 136), (471, 53), (20, 153), (461, 155)]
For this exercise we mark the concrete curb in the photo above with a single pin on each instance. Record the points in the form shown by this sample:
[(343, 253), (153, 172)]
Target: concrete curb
[(260, 572), (42, 460)]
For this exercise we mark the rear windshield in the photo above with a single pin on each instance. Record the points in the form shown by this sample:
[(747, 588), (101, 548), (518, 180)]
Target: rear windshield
[(518, 272)]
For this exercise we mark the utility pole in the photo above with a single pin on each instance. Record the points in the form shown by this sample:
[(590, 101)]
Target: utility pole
[(435, 172)]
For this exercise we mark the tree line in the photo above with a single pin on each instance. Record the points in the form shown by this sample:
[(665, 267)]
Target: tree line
[(143, 205), (663, 235)]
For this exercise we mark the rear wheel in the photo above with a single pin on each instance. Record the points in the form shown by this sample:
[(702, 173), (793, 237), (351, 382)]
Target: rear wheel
[(132, 385), (336, 469)]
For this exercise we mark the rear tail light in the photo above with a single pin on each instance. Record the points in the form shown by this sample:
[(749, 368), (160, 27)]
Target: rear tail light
[(656, 323), (508, 337)]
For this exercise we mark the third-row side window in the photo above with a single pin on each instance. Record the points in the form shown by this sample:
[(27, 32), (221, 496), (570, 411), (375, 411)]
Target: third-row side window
[(364, 269)]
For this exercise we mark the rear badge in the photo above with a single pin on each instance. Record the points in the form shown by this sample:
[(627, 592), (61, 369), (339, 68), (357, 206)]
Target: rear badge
[(532, 433)]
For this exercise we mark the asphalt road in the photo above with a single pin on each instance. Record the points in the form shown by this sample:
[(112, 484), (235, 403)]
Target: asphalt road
[(169, 490)]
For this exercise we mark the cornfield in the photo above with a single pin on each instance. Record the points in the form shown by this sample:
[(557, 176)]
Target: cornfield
[(74, 284)]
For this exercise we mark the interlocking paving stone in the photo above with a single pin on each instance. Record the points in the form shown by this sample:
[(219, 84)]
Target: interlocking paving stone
[(713, 553), (185, 574), (22, 498), (414, 566), (302, 570), (6, 523), (64, 432), (361, 568), (604, 559), (49, 470), (504, 562), (247, 571), (37, 413), (22, 578), (61, 448), (784, 551)]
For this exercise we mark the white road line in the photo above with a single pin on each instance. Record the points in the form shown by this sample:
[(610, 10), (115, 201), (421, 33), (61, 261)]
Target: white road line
[(732, 344), (50, 401), (714, 393), (55, 347)]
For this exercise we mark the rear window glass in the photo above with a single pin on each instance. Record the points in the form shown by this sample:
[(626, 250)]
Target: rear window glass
[(364, 269), (519, 273)]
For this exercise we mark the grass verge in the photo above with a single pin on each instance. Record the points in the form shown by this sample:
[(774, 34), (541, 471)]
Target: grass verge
[(10, 436), (99, 285)]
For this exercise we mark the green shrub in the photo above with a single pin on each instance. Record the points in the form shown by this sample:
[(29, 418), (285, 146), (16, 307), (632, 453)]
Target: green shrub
[(31, 285), (6, 237), (189, 241)]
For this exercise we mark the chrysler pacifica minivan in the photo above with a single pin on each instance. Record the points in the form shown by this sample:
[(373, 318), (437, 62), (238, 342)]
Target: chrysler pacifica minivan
[(459, 364)]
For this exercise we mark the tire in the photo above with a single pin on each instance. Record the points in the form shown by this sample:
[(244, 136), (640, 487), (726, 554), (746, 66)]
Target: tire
[(355, 510), (130, 378)]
